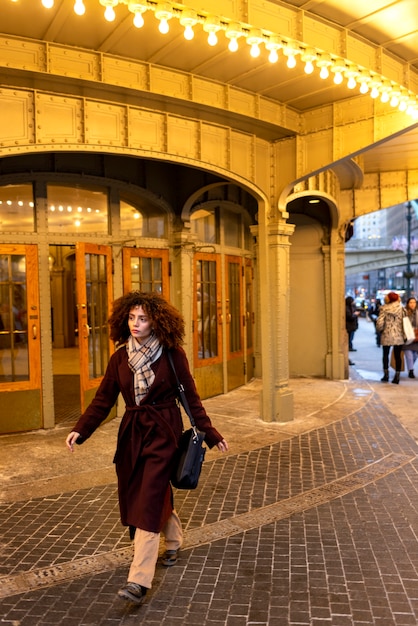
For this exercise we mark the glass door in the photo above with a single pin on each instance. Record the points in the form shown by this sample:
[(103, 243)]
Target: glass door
[(249, 319), (235, 321), (94, 298), (207, 325), (20, 352)]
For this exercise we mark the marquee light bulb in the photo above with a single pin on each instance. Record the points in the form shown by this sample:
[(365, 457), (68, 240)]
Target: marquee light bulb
[(364, 87), (164, 13), (291, 61), (233, 31), (138, 20), (255, 51), (212, 38), (188, 19), (273, 56), (48, 4), (79, 8), (110, 14), (273, 44), (211, 26), (351, 83), (309, 68), (163, 26), (188, 33)]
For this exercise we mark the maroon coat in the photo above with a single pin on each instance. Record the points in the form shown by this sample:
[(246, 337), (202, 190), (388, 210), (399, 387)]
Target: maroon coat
[(148, 435)]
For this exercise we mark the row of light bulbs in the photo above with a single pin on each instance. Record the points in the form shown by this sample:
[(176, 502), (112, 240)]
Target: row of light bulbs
[(70, 209), (368, 82)]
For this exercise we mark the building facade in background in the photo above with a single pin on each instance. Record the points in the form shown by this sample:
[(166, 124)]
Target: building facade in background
[(382, 253)]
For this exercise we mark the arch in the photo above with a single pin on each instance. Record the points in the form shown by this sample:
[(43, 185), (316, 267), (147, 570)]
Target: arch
[(43, 123), (193, 201), (314, 203)]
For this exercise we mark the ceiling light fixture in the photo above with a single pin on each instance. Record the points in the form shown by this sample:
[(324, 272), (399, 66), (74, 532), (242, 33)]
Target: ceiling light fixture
[(109, 10), (338, 68), (395, 98), (254, 39), (163, 13), (211, 26), (291, 53), (375, 88), (364, 80), (79, 8), (385, 92), (188, 19), (324, 62), (352, 75), (233, 32), (273, 44), (137, 8), (308, 57)]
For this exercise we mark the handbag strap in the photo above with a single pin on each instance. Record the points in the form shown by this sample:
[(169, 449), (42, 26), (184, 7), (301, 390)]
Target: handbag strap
[(180, 389)]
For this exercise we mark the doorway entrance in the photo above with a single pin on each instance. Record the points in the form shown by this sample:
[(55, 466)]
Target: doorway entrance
[(81, 293), (65, 349)]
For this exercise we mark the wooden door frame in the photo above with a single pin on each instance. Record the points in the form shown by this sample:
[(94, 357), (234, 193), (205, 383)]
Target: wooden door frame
[(202, 362), (30, 251), (86, 383)]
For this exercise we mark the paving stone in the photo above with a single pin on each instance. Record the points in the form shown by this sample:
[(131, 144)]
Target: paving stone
[(350, 560)]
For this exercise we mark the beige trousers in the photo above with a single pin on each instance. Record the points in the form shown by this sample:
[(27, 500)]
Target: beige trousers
[(146, 547)]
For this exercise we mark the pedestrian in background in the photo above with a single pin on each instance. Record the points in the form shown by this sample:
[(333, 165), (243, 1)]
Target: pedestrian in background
[(411, 349), (374, 314), (145, 326), (389, 324), (351, 321)]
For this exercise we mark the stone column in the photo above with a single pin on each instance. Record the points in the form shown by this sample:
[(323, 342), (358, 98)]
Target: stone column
[(182, 271), (277, 398)]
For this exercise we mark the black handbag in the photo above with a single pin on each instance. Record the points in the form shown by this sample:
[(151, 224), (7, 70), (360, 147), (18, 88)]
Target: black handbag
[(190, 453)]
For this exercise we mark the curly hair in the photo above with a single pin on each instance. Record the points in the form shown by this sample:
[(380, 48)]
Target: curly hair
[(167, 321)]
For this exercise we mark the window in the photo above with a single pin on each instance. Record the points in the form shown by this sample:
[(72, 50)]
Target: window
[(77, 209), (17, 209), (142, 223), (204, 225), (232, 229)]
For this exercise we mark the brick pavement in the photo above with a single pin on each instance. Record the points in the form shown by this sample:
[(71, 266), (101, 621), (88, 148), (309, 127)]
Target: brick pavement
[(314, 528)]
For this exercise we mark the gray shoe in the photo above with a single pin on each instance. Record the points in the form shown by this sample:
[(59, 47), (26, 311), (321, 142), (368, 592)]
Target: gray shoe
[(133, 592), (170, 558)]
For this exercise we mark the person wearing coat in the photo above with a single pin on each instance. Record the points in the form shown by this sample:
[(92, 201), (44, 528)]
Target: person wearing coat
[(351, 321), (411, 349), (145, 326), (390, 326)]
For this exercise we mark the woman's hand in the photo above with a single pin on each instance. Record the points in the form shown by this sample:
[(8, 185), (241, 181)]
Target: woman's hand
[(71, 439), (222, 445)]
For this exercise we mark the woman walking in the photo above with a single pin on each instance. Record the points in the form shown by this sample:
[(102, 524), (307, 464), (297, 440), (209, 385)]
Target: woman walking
[(411, 349), (389, 324), (145, 326)]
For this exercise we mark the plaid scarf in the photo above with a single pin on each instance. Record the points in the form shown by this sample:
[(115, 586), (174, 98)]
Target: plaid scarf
[(140, 357)]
